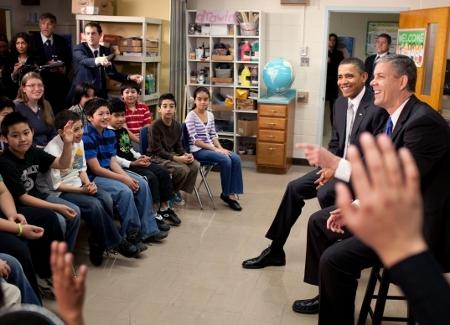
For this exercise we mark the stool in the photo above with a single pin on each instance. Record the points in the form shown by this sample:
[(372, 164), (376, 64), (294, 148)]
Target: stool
[(377, 314)]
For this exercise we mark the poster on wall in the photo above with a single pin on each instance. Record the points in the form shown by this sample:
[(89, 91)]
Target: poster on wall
[(375, 28), (346, 46), (411, 42)]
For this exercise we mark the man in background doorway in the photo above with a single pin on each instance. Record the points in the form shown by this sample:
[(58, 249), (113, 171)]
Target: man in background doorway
[(382, 47), (51, 48)]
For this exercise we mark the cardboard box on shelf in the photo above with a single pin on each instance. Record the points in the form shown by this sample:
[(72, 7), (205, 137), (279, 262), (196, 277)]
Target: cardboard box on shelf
[(216, 57), (114, 48), (246, 128), (113, 86), (105, 38), (136, 49), (136, 41), (246, 104), (93, 7)]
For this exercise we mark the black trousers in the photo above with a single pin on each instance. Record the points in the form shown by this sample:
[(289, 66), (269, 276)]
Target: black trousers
[(339, 271), (36, 257), (293, 201), (319, 238), (159, 181)]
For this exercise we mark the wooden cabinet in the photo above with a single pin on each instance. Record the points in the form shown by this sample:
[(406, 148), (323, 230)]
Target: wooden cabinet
[(274, 144)]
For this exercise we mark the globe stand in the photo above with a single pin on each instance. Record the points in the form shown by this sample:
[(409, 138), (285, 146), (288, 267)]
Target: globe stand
[(277, 97)]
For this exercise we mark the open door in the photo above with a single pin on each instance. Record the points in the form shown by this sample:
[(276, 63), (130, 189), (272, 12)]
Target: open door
[(431, 75)]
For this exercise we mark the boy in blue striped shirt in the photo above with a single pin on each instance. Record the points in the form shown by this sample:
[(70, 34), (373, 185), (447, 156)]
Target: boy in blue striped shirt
[(130, 192)]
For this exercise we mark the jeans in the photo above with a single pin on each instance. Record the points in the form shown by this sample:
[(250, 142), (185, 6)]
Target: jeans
[(69, 226), (230, 169), (18, 278), (97, 211), (135, 209)]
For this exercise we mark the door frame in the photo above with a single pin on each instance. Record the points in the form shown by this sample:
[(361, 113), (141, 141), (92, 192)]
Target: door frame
[(333, 9)]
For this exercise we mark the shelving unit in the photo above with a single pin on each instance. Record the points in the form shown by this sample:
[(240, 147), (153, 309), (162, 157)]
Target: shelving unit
[(126, 26), (231, 40)]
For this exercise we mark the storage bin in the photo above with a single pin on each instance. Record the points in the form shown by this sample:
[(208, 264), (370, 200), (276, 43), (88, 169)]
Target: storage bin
[(223, 73)]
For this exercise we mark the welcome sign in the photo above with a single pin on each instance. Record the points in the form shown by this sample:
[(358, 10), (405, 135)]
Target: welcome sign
[(215, 17), (411, 42)]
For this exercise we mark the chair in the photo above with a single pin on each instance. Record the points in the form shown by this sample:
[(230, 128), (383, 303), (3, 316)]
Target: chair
[(205, 168), (377, 314), (143, 140)]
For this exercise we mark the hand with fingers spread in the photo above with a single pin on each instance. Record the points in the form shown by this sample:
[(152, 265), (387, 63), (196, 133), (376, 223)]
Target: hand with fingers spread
[(69, 291), (390, 215)]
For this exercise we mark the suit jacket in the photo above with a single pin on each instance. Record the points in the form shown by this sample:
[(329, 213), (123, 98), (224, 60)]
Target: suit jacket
[(427, 136), (369, 68), (369, 117), (60, 47), (84, 69), (57, 84)]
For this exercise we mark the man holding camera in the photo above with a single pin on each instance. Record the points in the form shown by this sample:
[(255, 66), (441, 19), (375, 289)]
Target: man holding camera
[(52, 48)]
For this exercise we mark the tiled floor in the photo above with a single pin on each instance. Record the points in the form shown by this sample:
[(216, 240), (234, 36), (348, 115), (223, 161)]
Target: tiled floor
[(195, 276)]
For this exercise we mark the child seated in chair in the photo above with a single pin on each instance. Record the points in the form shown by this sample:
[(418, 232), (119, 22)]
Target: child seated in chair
[(204, 145), (166, 149), (157, 176)]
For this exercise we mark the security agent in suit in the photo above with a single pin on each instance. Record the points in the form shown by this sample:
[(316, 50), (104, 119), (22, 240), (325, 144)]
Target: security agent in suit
[(91, 63), (426, 134), (320, 182), (52, 47), (382, 47)]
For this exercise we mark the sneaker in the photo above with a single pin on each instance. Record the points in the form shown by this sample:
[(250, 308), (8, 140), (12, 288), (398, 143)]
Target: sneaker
[(179, 199), (161, 224), (137, 241), (157, 237), (95, 252), (45, 287), (170, 216), (127, 249)]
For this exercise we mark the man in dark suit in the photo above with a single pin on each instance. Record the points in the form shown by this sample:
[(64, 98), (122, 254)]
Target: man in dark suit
[(354, 114), (382, 47), (92, 65), (52, 47), (412, 124)]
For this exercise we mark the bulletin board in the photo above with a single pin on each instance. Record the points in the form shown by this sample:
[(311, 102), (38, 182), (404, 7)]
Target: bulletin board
[(375, 28)]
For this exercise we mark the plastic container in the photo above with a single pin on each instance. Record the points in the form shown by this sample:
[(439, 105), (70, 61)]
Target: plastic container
[(150, 80), (246, 77), (223, 73), (255, 51), (246, 52), (254, 77), (239, 52), (248, 29)]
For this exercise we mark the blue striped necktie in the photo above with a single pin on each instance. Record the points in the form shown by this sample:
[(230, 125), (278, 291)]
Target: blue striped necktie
[(388, 128)]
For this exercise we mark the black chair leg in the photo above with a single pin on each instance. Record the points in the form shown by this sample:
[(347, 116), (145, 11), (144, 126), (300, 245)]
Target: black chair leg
[(381, 300), (365, 307)]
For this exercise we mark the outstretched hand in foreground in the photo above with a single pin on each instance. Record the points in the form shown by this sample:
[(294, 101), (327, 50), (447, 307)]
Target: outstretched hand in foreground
[(69, 291), (390, 215)]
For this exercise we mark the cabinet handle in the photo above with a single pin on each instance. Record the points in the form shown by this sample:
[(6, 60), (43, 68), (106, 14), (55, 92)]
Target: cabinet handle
[(271, 149), (271, 136), (273, 111), (271, 123)]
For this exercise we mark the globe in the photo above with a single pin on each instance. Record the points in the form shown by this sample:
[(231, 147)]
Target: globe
[(278, 75)]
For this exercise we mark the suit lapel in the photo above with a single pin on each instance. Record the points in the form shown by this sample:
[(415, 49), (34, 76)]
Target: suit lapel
[(404, 116), (360, 114)]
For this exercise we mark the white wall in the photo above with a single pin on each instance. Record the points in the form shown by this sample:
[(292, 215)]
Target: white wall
[(289, 28)]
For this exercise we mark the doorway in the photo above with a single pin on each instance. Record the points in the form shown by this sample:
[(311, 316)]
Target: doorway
[(336, 21)]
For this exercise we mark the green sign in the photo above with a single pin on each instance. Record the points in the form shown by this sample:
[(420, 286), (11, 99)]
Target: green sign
[(411, 42)]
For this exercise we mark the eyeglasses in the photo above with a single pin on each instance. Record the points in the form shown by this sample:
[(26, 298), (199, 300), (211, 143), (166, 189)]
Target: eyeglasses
[(39, 86)]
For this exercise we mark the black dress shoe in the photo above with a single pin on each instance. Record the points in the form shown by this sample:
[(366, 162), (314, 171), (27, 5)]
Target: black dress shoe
[(307, 306), (267, 258), (232, 203)]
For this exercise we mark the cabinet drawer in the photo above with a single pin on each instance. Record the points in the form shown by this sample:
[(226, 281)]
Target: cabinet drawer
[(271, 136), (272, 110), (271, 154), (272, 123)]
